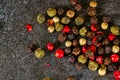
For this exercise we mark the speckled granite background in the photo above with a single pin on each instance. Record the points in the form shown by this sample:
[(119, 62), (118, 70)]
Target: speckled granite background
[(16, 63)]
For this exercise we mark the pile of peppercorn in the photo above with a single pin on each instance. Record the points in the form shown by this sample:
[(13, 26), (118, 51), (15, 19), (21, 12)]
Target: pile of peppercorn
[(88, 40)]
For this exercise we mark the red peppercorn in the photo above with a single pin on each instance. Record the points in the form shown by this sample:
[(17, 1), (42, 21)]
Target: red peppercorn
[(93, 48), (114, 57), (93, 27), (84, 49), (92, 58), (29, 27), (94, 39), (59, 53), (111, 37), (66, 29), (50, 46), (116, 75), (99, 59)]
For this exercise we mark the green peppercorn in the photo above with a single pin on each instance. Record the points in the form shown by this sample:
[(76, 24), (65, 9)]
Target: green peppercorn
[(82, 59), (65, 20), (92, 65), (51, 12), (51, 29), (83, 31), (58, 27), (79, 20), (115, 30), (40, 18), (39, 53), (102, 70)]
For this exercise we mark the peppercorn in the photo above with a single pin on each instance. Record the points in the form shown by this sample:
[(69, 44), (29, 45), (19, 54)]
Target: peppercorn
[(114, 57), (94, 27), (89, 54), (100, 50), (104, 25), (93, 4), (92, 65), (105, 42), (73, 2), (50, 22), (56, 19), (107, 49), (99, 38), (65, 20), (59, 53), (115, 49), (102, 70), (99, 59), (107, 18), (51, 12), (70, 13), (91, 11), (71, 36), (111, 67), (82, 41), (46, 78), (58, 27), (107, 61), (115, 30), (62, 37), (89, 42), (68, 43), (76, 51), (39, 53), (32, 47), (75, 43), (90, 34), (66, 29), (70, 78), (29, 27), (40, 18), (67, 50), (82, 59), (83, 31), (93, 20), (79, 20), (78, 7), (116, 42), (60, 11), (51, 29), (78, 66), (75, 30), (117, 74)]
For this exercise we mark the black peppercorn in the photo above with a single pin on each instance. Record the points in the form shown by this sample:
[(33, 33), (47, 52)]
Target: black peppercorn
[(60, 11), (73, 2), (107, 18), (78, 66), (75, 30), (70, 78), (108, 49), (100, 50), (71, 59), (116, 42), (32, 47), (62, 37), (91, 11), (89, 42), (107, 61), (76, 51), (90, 34), (111, 67), (89, 54), (78, 7), (70, 36), (75, 43), (99, 37), (93, 20), (105, 42), (67, 50)]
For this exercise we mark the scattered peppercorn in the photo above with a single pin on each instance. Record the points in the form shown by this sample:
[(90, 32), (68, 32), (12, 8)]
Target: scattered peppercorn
[(51, 12), (40, 18), (79, 20), (39, 53)]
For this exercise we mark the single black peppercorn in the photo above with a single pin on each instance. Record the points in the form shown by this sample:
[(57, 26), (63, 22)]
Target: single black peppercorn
[(89, 54), (108, 49), (100, 50), (67, 50), (89, 42), (105, 42), (75, 43), (111, 67), (78, 66), (75, 30), (71, 36), (107, 18), (107, 61), (62, 37), (76, 51), (71, 59), (116, 42)]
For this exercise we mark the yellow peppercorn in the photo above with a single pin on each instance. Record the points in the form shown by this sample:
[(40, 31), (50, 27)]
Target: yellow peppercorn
[(82, 59), (70, 13), (51, 29), (82, 41), (51, 12), (40, 18), (102, 70), (115, 30), (79, 20), (56, 19), (46, 78), (115, 49), (68, 43), (104, 25), (58, 27), (39, 53), (83, 31), (93, 4)]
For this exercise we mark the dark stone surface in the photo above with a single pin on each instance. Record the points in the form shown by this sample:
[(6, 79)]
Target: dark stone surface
[(16, 63)]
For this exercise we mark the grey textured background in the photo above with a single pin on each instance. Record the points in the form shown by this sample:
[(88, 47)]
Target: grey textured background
[(16, 63)]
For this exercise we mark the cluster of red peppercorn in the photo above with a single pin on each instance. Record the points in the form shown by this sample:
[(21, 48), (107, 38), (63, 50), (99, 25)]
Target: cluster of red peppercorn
[(93, 42)]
